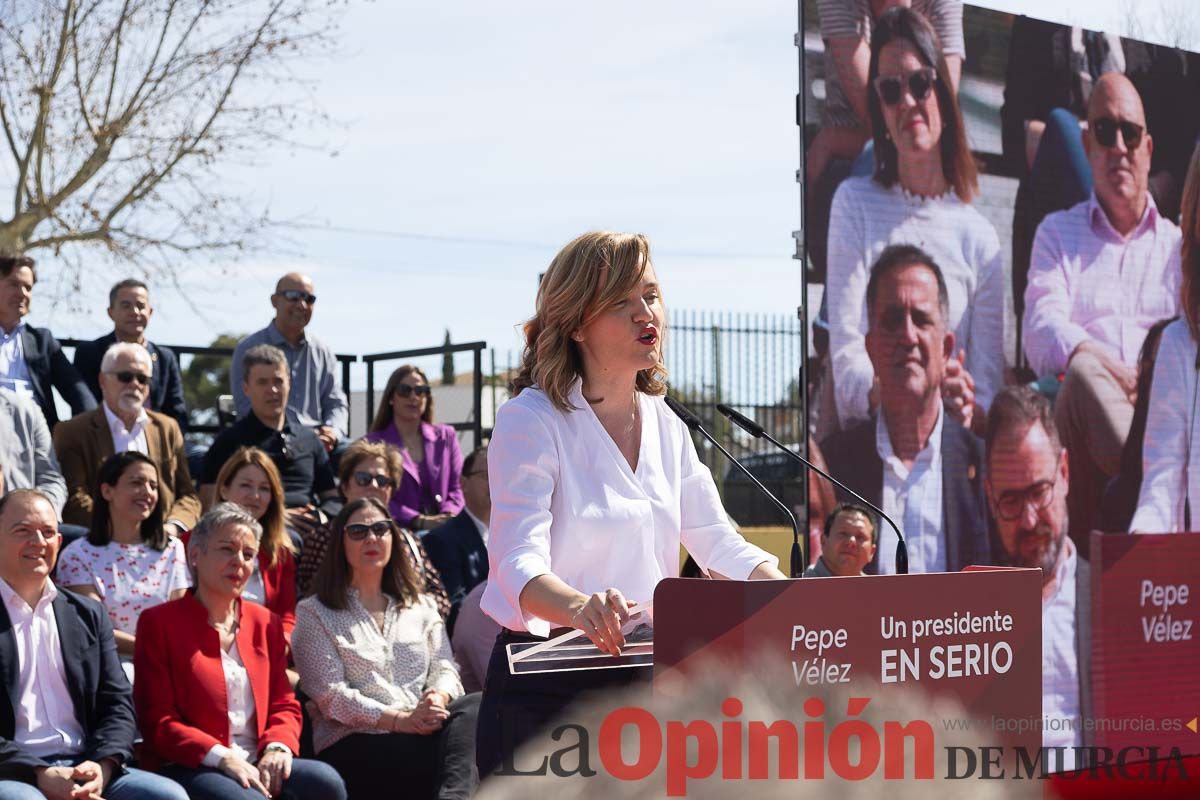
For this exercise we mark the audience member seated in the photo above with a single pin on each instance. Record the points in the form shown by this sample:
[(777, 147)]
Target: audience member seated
[(129, 309), (375, 658), (1102, 272), (316, 398), (66, 719), (27, 458), (837, 150), (250, 479), (473, 640), (213, 699), (128, 562), (31, 359), (458, 548), (920, 194), (914, 460), (122, 423), (848, 544), (1170, 459), (429, 493), (372, 469), (1027, 484), (308, 486)]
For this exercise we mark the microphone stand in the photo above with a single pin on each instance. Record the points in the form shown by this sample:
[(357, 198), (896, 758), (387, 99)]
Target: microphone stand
[(754, 429)]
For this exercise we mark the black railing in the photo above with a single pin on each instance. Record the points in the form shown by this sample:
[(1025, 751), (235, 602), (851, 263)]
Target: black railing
[(475, 424)]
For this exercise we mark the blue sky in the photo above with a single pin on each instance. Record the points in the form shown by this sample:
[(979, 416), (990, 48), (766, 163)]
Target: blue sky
[(482, 136)]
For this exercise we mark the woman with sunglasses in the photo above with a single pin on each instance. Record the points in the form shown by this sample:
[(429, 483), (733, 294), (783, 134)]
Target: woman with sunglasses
[(920, 194), (127, 562), (387, 706), (429, 493), (372, 469), (595, 483), (250, 479)]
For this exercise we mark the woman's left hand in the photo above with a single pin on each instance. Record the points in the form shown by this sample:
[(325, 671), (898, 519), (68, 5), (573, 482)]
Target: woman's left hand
[(436, 697), (274, 768)]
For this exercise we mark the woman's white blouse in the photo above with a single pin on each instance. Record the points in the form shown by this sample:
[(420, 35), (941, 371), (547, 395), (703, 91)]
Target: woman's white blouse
[(1170, 451), (565, 501)]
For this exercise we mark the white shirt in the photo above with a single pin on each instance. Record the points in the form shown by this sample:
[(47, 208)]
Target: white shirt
[(565, 501), (865, 218), (126, 439), (243, 721), (480, 525), (913, 496), (1060, 666), (45, 723), (14, 372), (1170, 461)]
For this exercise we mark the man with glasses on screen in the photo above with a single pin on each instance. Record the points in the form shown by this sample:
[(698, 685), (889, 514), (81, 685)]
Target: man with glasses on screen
[(316, 397), (123, 423), (1026, 487), (1101, 274)]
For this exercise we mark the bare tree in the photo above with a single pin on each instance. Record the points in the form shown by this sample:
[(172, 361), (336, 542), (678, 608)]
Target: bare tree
[(116, 113)]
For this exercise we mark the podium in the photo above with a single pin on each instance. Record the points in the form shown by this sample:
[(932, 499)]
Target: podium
[(971, 636)]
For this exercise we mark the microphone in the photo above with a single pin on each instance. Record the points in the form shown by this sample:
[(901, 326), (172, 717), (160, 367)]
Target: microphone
[(754, 429), (693, 423)]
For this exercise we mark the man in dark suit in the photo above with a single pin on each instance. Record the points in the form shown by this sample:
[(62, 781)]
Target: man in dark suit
[(458, 549), (1027, 483), (66, 717), (130, 310), (31, 359), (123, 423), (914, 460)]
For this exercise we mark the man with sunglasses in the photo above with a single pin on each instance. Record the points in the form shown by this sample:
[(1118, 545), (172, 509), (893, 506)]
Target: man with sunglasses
[(315, 394), (123, 423), (1027, 472), (1101, 274)]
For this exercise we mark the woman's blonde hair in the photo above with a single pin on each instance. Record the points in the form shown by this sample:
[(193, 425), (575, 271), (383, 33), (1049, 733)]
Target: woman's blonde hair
[(275, 537), (1189, 247), (587, 276)]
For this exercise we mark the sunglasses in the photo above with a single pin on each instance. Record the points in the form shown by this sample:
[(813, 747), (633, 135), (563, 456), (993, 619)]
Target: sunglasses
[(1105, 130), (295, 296), (365, 479), (407, 390), (920, 83), (358, 531), (130, 377)]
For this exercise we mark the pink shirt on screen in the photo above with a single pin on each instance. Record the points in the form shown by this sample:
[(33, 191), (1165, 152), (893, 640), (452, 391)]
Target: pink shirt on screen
[(1086, 282)]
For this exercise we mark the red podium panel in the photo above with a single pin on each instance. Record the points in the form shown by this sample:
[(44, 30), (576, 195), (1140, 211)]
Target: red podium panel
[(974, 636), (1146, 640)]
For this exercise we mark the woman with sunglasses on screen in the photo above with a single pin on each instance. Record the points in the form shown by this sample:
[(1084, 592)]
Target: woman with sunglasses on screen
[(920, 194), (387, 705), (595, 484), (429, 493), (373, 469)]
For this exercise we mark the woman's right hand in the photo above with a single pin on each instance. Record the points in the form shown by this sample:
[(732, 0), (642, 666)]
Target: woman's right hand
[(600, 617), (243, 772), (423, 720)]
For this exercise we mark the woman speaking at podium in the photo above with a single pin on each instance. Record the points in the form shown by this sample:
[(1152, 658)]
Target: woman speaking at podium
[(594, 484)]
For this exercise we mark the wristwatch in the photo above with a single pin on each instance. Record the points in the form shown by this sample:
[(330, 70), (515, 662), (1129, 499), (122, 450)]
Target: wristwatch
[(276, 747)]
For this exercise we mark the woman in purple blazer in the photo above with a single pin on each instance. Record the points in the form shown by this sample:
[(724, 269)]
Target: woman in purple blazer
[(429, 493)]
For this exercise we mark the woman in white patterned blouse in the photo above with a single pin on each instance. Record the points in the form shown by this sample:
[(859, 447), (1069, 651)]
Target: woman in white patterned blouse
[(387, 705)]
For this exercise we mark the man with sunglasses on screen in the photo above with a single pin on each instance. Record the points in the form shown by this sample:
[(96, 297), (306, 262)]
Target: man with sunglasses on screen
[(1101, 274), (315, 397), (123, 423)]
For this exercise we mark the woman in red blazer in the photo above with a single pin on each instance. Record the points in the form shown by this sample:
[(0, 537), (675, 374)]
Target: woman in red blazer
[(213, 699), (251, 479)]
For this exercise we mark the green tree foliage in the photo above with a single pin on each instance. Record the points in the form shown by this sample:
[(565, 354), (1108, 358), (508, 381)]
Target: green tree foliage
[(206, 378)]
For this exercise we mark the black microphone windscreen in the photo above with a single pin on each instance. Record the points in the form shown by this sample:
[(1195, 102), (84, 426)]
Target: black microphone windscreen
[(681, 411)]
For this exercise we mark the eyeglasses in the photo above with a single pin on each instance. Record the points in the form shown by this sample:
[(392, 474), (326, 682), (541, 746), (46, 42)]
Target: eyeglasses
[(891, 87), (1011, 504), (358, 531), (295, 296), (130, 377), (1105, 130), (365, 479), (408, 390)]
